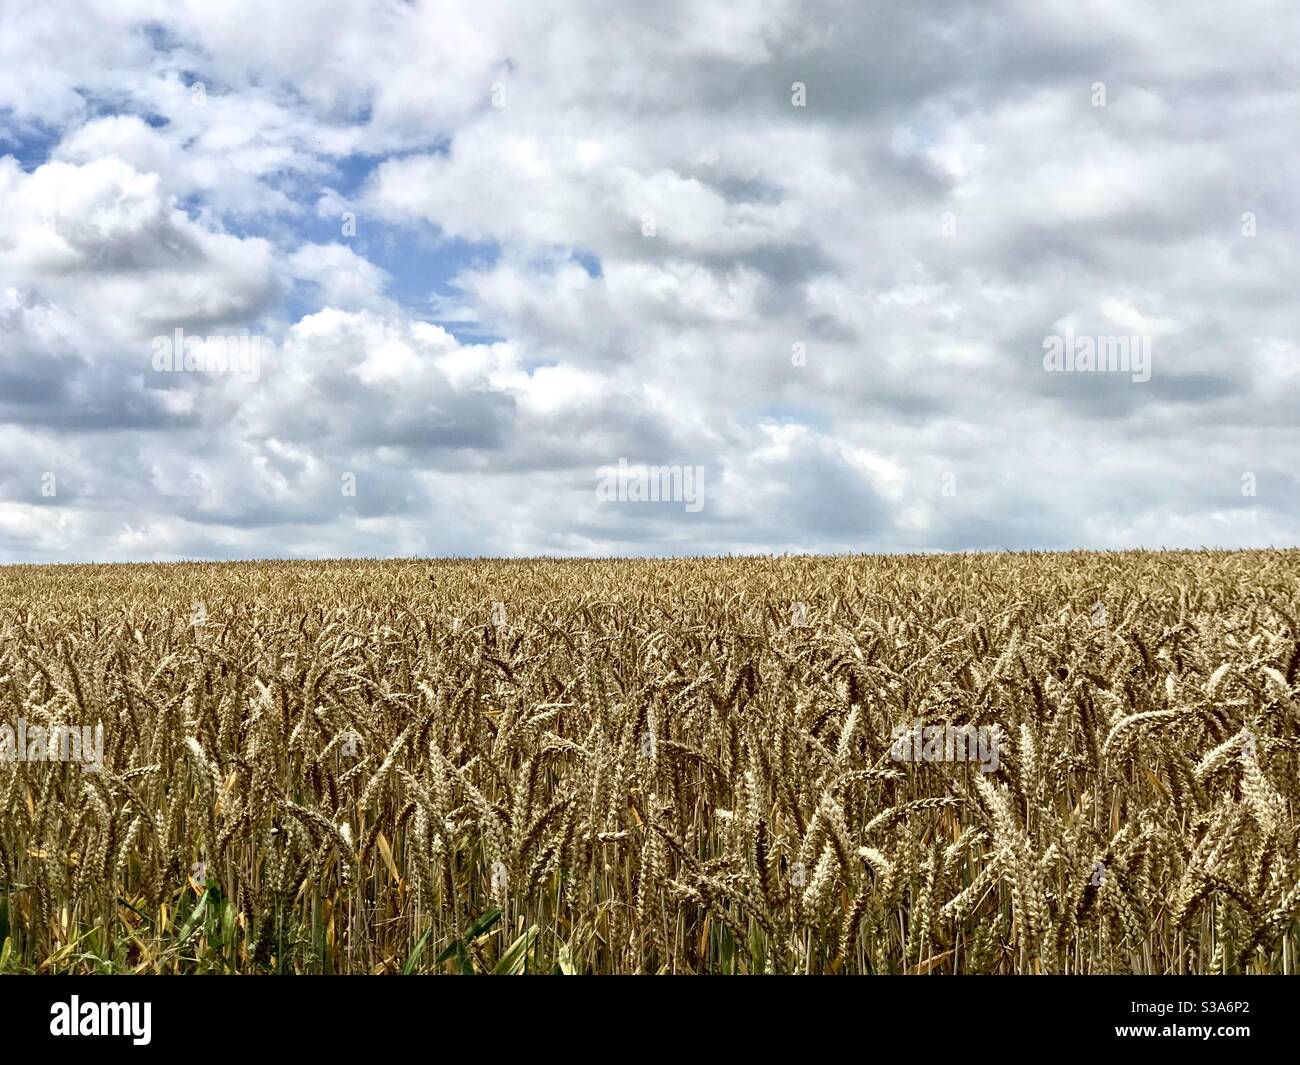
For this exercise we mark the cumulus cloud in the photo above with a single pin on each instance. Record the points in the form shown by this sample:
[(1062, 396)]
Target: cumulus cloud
[(817, 249)]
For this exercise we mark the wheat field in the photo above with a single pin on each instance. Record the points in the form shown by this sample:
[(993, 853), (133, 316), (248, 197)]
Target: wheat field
[(655, 766)]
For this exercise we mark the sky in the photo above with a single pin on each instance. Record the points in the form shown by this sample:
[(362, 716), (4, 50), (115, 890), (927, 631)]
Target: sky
[(471, 279)]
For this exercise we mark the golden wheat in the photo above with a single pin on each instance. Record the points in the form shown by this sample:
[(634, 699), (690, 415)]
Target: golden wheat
[(678, 766)]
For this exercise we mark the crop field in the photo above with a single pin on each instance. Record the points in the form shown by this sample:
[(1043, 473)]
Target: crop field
[(1001, 763)]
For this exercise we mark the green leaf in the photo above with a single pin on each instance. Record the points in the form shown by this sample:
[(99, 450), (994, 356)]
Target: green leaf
[(516, 955), (757, 949), (457, 950), (415, 954), (196, 915), (481, 924)]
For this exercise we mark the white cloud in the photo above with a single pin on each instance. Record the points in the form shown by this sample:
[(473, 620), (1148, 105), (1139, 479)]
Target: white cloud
[(503, 323)]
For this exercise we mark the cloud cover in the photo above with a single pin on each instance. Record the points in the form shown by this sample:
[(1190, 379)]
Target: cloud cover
[(490, 250)]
